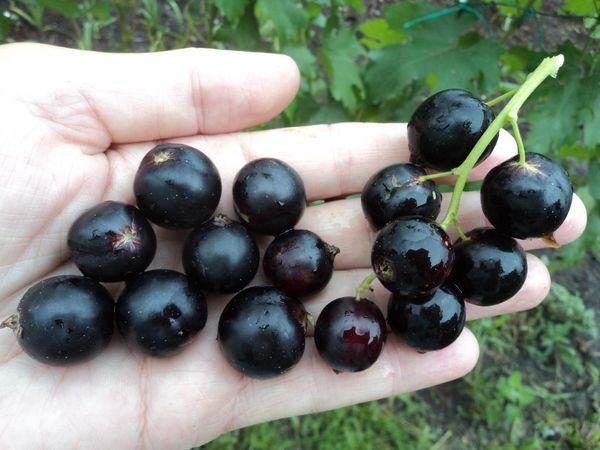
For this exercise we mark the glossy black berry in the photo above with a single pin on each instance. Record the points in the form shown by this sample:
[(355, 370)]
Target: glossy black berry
[(159, 312), (489, 267), (64, 320), (412, 256), (299, 262), (111, 242), (445, 128), (177, 186), (530, 200), (396, 192), (269, 196), (350, 334), (430, 322), (221, 255), (261, 332)]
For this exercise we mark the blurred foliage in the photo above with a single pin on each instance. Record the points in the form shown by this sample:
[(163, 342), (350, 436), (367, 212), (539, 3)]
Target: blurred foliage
[(357, 65)]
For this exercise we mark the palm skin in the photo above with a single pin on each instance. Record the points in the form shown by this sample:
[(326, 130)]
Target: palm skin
[(72, 135)]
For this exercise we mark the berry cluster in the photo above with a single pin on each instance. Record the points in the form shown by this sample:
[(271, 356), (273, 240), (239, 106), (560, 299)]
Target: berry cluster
[(262, 330)]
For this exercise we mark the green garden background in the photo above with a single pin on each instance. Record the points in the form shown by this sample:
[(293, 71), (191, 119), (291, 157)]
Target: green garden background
[(537, 384)]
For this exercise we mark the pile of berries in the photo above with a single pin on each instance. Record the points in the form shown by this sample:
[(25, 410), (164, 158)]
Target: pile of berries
[(262, 330)]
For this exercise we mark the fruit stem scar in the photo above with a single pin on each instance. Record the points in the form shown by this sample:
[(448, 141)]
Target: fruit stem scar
[(514, 123), (547, 68), (433, 176), (332, 251), (502, 97), (11, 322), (365, 286)]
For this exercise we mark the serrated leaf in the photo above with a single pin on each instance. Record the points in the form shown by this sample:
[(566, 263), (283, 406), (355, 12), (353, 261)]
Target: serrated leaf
[(436, 52), (579, 7), (233, 10), (565, 105), (68, 8), (286, 17), (307, 62), (339, 52), (377, 33)]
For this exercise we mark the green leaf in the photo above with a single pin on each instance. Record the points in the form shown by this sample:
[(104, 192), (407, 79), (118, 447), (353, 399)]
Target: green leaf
[(6, 25), (577, 151), (579, 7), (304, 58), (233, 10), (330, 113), (518, 58), (398, 14), (339, 53), (101, 9), (565, 107), (518, 7), (439, 51), (356, 4), (243, 36), (377, 33), (593, 180), (284, 19), (68, 8)]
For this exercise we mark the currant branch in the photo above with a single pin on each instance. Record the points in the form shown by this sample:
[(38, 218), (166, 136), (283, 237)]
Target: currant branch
[(509, 114)]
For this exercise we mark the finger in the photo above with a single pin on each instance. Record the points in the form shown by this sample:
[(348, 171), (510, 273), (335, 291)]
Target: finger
[(531, 294), (312, 386), (342, 223), (146, 96), (333, 160)]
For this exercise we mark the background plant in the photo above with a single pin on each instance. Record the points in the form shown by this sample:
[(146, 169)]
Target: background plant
[(537, 383)]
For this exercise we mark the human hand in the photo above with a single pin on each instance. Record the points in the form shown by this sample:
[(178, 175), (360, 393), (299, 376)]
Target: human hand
[(74, 126)]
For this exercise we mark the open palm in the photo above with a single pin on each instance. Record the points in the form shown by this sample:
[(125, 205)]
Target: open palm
[(73, 128)]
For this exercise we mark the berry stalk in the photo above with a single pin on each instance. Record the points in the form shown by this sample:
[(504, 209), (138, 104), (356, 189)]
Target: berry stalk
[(548, 67)]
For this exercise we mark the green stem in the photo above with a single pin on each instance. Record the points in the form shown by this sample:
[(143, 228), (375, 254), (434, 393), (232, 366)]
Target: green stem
[(365, 286), (502, 97), (514, 123), (548, 67), (433, 176), (459, 231)]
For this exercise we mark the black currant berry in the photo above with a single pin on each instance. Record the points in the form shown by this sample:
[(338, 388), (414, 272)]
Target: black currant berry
[(299, 262), (221, 255), (111, 242), (489, 267), (350, 334), (269, 196), (430, 322), (396, 192), (64, 320), (412, 256), (530, 200), (159, 312), (445, 128), (177, 186), (262, 332)]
